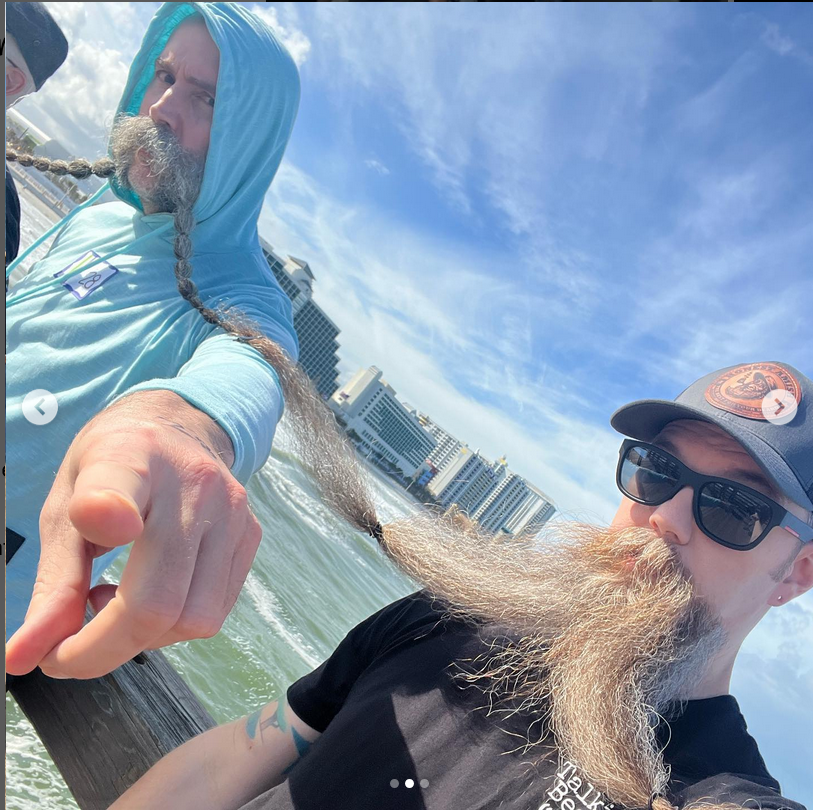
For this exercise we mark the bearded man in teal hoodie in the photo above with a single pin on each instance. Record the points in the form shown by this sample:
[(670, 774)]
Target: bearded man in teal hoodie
[(132, 414)]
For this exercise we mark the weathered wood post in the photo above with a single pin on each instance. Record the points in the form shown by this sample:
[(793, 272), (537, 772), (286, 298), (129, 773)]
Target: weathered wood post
[(103, 734)]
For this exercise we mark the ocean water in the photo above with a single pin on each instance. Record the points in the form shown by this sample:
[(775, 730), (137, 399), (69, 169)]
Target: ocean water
[(313, 579)]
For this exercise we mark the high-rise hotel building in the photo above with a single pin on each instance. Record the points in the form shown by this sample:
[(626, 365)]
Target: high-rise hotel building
[(498, 499), (368, 406), (316, 332), (447, 446)]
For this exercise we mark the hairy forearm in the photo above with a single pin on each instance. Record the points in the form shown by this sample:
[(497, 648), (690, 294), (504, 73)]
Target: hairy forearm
[(221, 769), (167, 409)]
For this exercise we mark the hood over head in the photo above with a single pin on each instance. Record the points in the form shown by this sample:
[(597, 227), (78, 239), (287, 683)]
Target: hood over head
[(258, 93)]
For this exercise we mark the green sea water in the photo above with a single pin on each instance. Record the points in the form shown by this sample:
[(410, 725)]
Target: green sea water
[(313, 579)]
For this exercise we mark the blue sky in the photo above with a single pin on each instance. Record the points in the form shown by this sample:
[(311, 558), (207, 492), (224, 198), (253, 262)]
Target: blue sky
[(529, 215)]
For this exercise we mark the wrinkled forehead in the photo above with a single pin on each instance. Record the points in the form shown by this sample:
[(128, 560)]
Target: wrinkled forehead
[(184, 31), (192, 44)]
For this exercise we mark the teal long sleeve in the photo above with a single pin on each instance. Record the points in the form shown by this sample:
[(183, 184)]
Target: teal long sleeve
[(232, 383)]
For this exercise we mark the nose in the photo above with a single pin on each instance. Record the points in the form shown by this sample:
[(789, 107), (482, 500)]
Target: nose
[(673, 520), (166, 111)]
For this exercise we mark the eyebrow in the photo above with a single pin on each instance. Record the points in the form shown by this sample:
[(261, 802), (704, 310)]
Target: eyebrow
[(754, 479), (165, 64)]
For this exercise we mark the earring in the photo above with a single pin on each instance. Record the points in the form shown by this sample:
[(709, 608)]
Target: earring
[(778, 598)]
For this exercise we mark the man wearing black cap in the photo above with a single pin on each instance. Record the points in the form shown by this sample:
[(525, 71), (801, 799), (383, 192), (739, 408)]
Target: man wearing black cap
[(589, 670), (35, 48)]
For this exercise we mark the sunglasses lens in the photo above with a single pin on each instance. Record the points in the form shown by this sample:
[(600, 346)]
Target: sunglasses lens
[(648, 475), (731, 514)]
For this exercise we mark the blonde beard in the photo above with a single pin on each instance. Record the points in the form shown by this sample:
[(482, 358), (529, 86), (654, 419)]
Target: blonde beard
[(596, 646)]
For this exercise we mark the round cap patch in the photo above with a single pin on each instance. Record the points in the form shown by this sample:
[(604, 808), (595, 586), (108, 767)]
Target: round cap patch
[(742, 390)]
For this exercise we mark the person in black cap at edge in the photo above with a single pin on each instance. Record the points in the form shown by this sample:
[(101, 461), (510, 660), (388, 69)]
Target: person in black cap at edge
[(35, 49), (585, 669)]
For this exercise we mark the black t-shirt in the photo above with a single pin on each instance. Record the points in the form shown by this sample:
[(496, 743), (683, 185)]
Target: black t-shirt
[(389, 709), (12, 219)]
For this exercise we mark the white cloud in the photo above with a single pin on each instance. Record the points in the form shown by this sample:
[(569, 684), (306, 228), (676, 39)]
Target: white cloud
[(722, 281), (773, 37), (78, 102), (772, 681), (776, 41), (476, 97), (286, 29), (705, 111), (376, 165), (379, 281)]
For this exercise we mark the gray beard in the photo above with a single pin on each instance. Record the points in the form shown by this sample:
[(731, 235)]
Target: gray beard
[(674, 679), (178, 173)]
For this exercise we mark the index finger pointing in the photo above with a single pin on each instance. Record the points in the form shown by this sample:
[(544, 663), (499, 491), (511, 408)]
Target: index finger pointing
[(147, 604)]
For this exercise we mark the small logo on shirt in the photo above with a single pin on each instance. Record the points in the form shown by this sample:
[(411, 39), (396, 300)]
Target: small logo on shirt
[(84, 283)]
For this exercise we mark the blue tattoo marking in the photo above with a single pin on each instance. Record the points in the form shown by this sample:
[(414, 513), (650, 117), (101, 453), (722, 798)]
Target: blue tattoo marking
[(302, 748), (251, 724), (302, 745), (278, 721)]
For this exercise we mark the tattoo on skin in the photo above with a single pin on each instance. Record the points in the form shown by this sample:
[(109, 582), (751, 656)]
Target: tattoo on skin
[(251, 724), (278, 721), (302, 748)]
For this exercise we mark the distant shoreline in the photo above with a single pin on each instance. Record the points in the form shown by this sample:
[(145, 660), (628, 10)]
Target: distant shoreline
[(34, 199), (380, 474)]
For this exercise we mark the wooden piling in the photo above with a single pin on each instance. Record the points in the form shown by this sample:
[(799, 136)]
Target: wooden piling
[(104, 734)]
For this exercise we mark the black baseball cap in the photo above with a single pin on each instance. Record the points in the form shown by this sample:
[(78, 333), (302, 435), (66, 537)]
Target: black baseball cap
[(767, 407), (39, 38)]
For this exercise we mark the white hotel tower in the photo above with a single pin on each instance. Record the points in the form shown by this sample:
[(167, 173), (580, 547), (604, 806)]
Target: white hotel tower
[(498, 499), (368, 406)]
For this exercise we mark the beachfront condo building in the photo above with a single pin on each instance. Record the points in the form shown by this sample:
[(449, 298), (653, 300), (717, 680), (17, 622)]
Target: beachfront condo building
[(380, 425), (531, 515), (447, 446), (514, 506), (467, 480), (491, 494), (316, 332)]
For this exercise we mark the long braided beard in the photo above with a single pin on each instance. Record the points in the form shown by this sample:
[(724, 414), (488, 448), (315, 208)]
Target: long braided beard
[(599, 636)]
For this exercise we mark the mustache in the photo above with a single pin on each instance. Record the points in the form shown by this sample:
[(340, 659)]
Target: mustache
[(505, 582), (177, 173)]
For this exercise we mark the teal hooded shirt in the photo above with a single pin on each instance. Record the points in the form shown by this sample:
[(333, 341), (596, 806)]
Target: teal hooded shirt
[(90, 332)]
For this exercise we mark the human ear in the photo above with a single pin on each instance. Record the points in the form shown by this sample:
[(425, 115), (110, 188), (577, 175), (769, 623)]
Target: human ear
[(15, 80), (800, 577)]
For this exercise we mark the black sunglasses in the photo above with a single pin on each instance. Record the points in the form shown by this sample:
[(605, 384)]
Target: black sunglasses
[(730, 513)]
